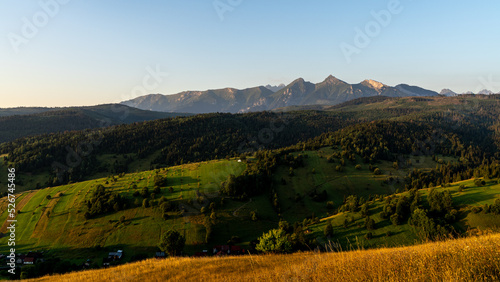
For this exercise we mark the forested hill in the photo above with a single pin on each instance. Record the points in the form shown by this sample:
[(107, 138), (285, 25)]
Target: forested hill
[(471, 121), (163, 142), (21, 122)]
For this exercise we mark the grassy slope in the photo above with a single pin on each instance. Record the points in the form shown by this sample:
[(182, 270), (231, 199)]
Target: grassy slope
[(66, 211), (353, 235), (470, 259), (351, 181), (142, 227)]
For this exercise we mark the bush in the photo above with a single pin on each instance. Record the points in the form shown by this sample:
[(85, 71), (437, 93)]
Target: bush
[(364, 210), (358, 167), (476, 209), (377, 171), (479, 182), (157, 190), (274, 241), (137, 202), (145, 192), (145, 203), (253, 215), (330, 205), (395, 219), (369, 236), (328, 231), (172, 242), (369, 223), (461, 188)]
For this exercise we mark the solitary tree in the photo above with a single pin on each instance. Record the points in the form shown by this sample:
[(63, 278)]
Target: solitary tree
[(328, 229), (172, 242), (275, 241)]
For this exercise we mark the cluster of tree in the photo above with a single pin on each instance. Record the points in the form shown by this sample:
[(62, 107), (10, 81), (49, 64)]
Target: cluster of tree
[(178, 140), (255, 180), (287, 238), (102, 201), (434, 223), (487, 208), (351, 203), (399, 208)]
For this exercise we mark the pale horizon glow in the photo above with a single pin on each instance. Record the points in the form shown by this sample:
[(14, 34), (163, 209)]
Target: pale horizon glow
[(98, 52)]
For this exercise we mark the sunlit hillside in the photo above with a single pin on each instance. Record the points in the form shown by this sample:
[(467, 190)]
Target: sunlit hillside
[(470, 259)]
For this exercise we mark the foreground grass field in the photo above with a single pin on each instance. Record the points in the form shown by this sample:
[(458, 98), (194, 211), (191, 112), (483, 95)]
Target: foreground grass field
[(469, 259)]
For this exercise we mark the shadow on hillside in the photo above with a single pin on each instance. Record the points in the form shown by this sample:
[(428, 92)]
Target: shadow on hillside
[(470, 198)]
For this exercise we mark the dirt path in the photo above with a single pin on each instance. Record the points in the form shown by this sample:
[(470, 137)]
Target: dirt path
[(19, 206), (242, 206)]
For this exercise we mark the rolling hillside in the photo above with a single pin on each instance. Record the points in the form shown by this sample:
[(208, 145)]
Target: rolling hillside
[(370, 173), (45, 213), (470, 259)]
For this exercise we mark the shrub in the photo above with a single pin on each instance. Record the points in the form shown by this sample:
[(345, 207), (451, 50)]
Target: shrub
[(369, 223), (328, 231), (157, 190), (330, 205), (253, 214), (145, 192), (145, 203), (461, 188), (172, 242), (358, 167), (395, 219), (476, 209), (479, 182), (274, 241)]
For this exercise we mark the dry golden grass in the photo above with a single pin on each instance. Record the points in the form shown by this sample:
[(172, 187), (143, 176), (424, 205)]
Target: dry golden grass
[(470, 259)]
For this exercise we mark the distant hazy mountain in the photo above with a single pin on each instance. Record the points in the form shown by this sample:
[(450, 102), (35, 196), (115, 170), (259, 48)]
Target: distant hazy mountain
[(275, 88), (486, 92), (221, 100), (15, 124), (447, 92), (331, 91), (5, 112)]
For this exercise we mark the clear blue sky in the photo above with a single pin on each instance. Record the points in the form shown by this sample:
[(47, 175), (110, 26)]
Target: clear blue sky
[(92, 52)]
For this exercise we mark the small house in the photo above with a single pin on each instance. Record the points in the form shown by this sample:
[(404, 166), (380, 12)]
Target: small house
[(160, 255), (114, 256)]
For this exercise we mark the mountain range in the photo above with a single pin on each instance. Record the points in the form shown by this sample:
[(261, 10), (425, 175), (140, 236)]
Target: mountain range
[(331, 91)]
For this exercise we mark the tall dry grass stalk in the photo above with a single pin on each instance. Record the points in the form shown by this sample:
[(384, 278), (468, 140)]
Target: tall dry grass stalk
[(469, 259)]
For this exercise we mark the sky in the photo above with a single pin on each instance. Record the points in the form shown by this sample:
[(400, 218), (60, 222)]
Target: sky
[(76, 53)]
